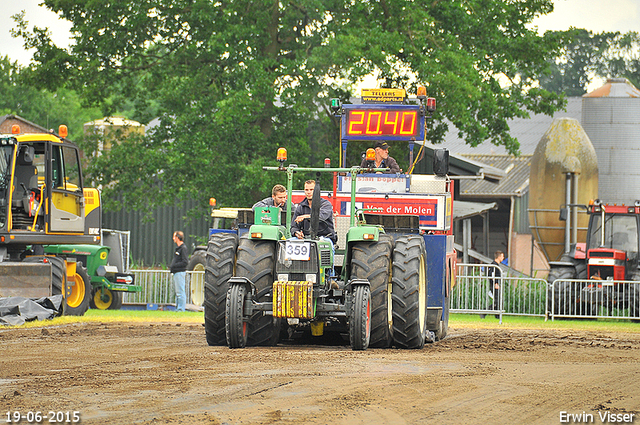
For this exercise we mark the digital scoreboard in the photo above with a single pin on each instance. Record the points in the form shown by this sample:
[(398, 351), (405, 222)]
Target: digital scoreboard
[(383, 122)]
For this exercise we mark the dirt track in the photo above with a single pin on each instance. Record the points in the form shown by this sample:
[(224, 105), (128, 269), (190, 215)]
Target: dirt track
[(165, 373)]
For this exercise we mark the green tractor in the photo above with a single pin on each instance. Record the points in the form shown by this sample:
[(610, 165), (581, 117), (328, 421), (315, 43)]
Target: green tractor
[(107, 283), (266, 282)]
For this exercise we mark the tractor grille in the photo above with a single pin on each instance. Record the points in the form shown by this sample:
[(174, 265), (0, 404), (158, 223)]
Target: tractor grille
[(297, 266), (606, 254), (325, 259)]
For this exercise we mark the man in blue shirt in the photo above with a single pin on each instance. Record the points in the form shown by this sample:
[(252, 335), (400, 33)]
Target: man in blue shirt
[(179, 269), (301, 222)]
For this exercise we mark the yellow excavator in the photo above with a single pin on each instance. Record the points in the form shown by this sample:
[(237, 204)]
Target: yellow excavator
[(43, 201)]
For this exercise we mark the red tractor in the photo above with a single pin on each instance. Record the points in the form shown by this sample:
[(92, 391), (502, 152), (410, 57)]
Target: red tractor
[(607, 264)]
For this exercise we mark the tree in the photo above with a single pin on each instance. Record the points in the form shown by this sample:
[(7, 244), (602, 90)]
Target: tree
[(235, 79), (41, 106), (586, 56)]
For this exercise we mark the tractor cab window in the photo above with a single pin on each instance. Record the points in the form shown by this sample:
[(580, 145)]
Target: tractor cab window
[(620, 232), (6, 153), (67, 198), (65, 169)]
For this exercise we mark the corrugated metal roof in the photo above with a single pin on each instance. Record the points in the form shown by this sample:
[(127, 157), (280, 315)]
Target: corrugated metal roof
[(528, 131), (516, 182), (465, 209), (615, 87)]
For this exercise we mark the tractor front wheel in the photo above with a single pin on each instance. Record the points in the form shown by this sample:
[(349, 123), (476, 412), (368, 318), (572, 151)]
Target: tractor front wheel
[(409, 293), (105, 299), (372, 261), (256, 260), (236, 325), (360, 318), (78, 294), (197, 263), (220, 265)]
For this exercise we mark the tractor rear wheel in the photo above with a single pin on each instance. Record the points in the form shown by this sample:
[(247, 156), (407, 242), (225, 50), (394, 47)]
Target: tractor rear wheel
[(221, 258), (634, 300), (443, 326), (58, 271), (564, 296), (256, 260), (79, 294), (197, 263), (236, 326), (409, 293), (372, 261), (360, 318)]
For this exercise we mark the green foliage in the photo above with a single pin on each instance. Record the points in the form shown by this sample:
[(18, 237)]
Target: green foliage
[(41, 106), (232, 81), (586, 55)]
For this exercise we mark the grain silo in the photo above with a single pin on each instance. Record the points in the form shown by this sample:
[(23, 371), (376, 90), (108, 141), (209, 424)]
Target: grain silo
[(564, 171), (611, 119)]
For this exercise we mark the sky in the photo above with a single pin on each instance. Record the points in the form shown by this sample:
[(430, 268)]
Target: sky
[(594, 15)]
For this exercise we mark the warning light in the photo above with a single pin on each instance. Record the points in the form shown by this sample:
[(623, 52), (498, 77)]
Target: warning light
[(371, 154), (15, 129), (431, 104), (281, 157), (422, 92), (327, 163), (212, 202), (335, 105), (63, 131)]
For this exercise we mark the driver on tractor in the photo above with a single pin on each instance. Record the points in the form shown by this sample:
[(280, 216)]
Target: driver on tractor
[(301, 222), (278, 198)]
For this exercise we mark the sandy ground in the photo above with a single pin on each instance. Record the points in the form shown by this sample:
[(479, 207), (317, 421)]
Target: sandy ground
[(164, 373)]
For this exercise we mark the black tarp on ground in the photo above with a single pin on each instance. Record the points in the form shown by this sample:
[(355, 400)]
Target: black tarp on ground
[(15, 311)]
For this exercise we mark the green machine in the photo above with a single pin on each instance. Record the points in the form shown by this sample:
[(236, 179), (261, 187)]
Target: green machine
[(108, 282)]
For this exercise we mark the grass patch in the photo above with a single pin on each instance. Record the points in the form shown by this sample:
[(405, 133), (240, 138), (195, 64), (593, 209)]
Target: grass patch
[(459, 321), (473, 321), (121, 316)]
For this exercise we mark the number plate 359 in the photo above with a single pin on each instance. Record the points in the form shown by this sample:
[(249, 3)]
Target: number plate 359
[(295, 250)]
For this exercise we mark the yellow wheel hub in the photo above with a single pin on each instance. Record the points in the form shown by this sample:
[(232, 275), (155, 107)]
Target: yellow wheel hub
[(103, 299), (422, 294), (76, 293)]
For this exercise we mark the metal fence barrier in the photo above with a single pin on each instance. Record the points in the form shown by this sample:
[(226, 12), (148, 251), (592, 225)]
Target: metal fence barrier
[(612, 299), (474, 293), (157, 287)]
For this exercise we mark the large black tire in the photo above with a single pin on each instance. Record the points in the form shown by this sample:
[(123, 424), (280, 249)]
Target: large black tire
[(116, 303), (633, 302), (256, 261), (360, 318), (409, 292), (220, 265), (443, 326), (564, 295), (58, 274), (372, 261), (58, 271), (78, 296), (236, 326), (106, 299), (197, 262)]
